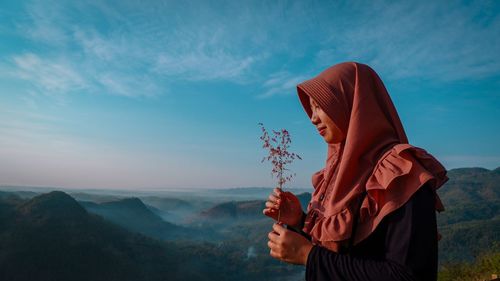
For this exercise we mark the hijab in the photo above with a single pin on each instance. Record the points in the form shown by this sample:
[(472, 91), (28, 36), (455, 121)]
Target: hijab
[(374, 159)]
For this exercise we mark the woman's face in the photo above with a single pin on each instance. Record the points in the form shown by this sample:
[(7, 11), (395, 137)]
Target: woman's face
[(326, 127)]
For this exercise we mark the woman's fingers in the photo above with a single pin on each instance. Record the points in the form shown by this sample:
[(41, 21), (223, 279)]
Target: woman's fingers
[(273, 198), (277, 191), (273, 236), (272, 205), (288, 246), (269, 212), (275, 245), (274, 214)]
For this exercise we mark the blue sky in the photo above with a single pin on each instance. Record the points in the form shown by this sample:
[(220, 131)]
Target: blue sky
[(168, 94)]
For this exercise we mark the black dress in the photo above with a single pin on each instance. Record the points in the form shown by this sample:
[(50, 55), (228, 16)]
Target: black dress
[(403, 247)]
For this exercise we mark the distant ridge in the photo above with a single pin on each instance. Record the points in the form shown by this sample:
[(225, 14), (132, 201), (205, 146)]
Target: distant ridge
[(134, 215), (243, 209), (166, 203), (471, 170), (234, 209), (132, 203), (471, 185), (55, 204)]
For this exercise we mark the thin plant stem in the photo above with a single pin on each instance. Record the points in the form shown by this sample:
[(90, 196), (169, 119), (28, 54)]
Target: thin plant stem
[(278, 155)]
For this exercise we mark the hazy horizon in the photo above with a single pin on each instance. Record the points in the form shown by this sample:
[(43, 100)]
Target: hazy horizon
[(12, 187)]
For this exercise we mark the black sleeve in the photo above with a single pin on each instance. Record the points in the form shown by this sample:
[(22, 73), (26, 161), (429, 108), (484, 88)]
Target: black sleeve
[(410, 248)]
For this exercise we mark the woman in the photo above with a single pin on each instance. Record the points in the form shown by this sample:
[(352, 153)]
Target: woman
[(372, 213)]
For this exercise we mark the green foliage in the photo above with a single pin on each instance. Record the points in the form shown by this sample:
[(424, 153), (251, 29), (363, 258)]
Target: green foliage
[(465, 241), (482, 268)]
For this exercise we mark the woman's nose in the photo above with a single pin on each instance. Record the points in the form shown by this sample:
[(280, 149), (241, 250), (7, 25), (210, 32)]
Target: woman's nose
[(314, 118)]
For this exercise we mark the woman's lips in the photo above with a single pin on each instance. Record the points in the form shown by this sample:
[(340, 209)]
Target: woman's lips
[(322, 131)]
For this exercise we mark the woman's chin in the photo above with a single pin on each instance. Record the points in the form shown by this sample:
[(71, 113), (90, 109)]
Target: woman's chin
[(332, 140)]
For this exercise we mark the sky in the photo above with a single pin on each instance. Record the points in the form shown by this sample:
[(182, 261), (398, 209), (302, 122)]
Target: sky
[(168, 94)]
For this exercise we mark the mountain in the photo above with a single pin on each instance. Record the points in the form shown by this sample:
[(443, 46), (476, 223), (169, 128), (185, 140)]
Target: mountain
[(471, 194), (51, 237), (10, 197), (94, 197), (134, 215), (167, 204), (469, 225), (174, 210), (55, 205), (471, 185), (235, 210), (471, 221), (19, 193)]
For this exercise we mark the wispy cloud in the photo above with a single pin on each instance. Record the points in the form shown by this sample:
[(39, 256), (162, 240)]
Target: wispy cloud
[(52, 76), (202, 65), (129, 86), (45, 22), (281, 83), (57, 77), (441, 41), (94, 45), (169, 41), (143, 52)]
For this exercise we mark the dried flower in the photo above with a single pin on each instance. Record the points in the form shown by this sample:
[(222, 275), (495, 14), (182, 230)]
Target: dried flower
[(280, 157)]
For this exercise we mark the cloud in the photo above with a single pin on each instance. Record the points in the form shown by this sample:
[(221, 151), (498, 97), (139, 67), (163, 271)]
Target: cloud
[(129, 86), (443, 41), (94, 45), (282, 83), (51, 76), (201, 65), (169, 42), (132, 56), (42, 23)]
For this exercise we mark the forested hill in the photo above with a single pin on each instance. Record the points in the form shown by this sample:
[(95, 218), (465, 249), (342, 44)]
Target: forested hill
[(470, 224), (470, 186), (51, 237)]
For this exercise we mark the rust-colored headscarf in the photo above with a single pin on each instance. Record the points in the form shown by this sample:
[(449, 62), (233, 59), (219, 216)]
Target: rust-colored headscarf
[(375, 157)]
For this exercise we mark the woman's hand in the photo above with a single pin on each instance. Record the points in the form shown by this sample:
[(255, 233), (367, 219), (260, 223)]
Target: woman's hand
[(288, 203), (288, 246)]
